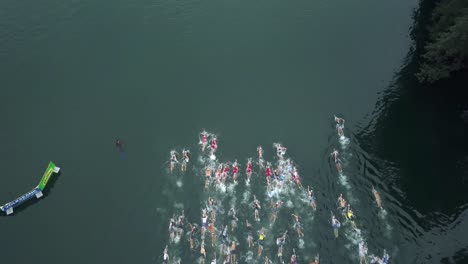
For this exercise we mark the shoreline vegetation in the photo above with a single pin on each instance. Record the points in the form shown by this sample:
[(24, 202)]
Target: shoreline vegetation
[(441, 36)]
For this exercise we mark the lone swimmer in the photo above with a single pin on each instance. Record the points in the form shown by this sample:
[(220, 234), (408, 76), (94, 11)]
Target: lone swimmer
[(377, 198)]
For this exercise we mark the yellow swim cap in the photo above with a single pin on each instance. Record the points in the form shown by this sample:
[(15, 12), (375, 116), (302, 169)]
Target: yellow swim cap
[(261, 237), (350, 214)]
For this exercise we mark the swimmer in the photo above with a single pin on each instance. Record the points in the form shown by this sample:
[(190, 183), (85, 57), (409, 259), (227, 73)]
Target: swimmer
[(208, 172), (212, 230), (280, 241), (337, 161), (203, 140), (165, 256), (350, 215), (214, 260), (202, 252), (249, 233), (385, 257), (257, 207), (180, 224), (174, 160), (297, 225), (268, 172), (185, 159), (311, 198), (219, 170), (232, 251), (376, 260), (339, 121), (234, 219), (316, 260), (280, 150), (193, 231), (227, 259), (296, 178), (293, 257), (341, 202), (267, 260), (172, 229), (248, 170), (204, 220), (260, 157), (362, 253), (260, 152), (119, 144), (335, 224), (339, 126), (261, 238), (235, 171), (224, 234), (225, 172), (211, 202), (214, 145), (377, 198), (276, 207)]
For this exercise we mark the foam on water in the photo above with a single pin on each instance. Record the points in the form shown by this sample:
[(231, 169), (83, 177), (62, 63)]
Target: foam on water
[(179, 183), (344, 142)]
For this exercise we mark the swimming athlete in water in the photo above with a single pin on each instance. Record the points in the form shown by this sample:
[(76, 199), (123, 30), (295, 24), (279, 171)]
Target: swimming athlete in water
[(257, 207), (203, 140), (341, 202), (268, 172), (235, 171), (232, 251), (350, 215), (202, 252), (297, 225), (119, 144), (377, 198), (260, 157), (225, 172), (280, 241), (276, 207), (249, 233), (185, 159), (204, 220), (335, 224), (174, 160), (296, 178), (311, 198), (172, 229), (337, 161), (214, 145), (362, 253), (234, 219), (193, 231), (165, 256), (339, 126), (280, 150), (316, 260), (261, 238), (248, 170), (293, 257)]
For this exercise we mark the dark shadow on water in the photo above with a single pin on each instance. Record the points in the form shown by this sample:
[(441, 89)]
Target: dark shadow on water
[(24, 206), (420, 129), (418, 132)]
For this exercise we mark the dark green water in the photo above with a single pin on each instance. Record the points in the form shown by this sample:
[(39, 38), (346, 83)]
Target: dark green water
[(76, 75)]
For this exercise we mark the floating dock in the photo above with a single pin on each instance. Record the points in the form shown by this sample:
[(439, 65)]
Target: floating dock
[(36, 192)]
